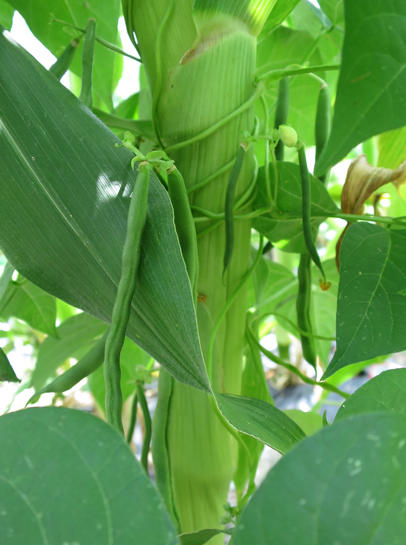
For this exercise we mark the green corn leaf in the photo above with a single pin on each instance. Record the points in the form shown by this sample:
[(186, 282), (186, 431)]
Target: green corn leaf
[(42, 19), (67, 477), (260, 420), (65, 195), (392, 148), (371, 311), (386, 392), (253, 13), (343, 485), (6, 371), (370, 93)]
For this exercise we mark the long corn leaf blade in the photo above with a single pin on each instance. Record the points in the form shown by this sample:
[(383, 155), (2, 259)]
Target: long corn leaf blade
[(65, 189)]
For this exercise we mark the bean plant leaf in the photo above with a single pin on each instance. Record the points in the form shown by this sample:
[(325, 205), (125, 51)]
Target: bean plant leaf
[(200, 537), (286, 223), (371, 311), (28, 302), (370, 93), (386, 392), (6, 14), (281, 48), (260, 420), (6, 371), (334, 9), (74, 336), (344, 485), (67, 477), (42, 17), (5, 279), (65, 183)]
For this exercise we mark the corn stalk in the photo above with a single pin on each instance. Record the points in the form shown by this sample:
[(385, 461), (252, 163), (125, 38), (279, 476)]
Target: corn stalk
[(200, 61)]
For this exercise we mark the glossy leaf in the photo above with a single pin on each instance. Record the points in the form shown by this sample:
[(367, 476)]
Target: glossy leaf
[(370, 94), (40, 17), (386, 392), (286, 223), (6, 14), (392, 148), (200, 537), (371, 311), (67, 477), (65, 193), (334, 9), (74, 336), (281, 48), (6, 371), (260, 420), (343, 485), (28, 302)]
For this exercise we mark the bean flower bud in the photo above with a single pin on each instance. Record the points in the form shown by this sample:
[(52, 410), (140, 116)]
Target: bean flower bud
[(288, 136)]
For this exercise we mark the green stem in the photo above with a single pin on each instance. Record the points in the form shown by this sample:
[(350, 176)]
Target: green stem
[(277, 74)]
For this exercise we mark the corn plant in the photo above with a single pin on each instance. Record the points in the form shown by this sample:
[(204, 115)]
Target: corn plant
[(185, 223)]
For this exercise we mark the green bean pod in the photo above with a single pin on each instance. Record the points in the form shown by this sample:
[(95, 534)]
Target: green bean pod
[(63, 62), (137, 215), (185, 225), (82, 369), (322, 125), (281, 113), (229, 204), (306, 209), (303, 301), (86, 93), (160, 450)]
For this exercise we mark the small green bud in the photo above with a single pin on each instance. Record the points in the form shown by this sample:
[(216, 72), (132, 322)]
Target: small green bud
[(288, 136)]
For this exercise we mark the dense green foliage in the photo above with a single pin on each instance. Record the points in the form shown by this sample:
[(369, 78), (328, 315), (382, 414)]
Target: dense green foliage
[(181, 227)]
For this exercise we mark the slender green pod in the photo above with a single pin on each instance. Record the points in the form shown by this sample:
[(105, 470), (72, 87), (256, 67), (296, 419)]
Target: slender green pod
[(86, 93), (306, 209), (303, 301), (82, 369), (229, 205), (160, 448), (184, 223), (322, 125), (281, 113), (137, 215), (63, 62)]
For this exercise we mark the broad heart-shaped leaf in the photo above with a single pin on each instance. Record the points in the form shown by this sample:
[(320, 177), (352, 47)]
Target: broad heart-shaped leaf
[(260, 420), (41, 17), (392, 148), (370, 92), (345, 485), (371, 308), (64, 201), (286, 223), (66, 477), (386, 392), (28, 302), (6, 371)]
